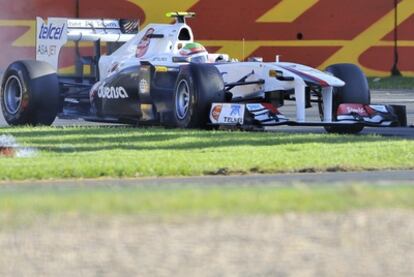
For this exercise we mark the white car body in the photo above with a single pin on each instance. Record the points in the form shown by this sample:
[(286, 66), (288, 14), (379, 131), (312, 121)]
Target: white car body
[(162, 51)]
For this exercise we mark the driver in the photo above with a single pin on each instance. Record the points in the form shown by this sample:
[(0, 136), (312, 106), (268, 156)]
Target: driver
[(195, 51)]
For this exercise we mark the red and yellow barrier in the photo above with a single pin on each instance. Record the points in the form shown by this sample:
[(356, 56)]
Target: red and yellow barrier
[(313, 32)]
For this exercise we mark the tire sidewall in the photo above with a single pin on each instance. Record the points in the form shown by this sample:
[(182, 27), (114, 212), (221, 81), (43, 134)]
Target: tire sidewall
[(356, 89), (40, 93), (206, 86), (355, 82), (185, 122), (26, 107)]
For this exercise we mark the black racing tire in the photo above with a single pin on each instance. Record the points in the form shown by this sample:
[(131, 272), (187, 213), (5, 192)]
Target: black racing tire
[(197, 87), (356, 90), (30, 93)]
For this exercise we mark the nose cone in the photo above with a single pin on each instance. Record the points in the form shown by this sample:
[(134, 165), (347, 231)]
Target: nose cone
[(312, 75), (333, 81)]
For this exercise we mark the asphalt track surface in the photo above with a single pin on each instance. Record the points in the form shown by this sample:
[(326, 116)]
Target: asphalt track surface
[(403, 177)]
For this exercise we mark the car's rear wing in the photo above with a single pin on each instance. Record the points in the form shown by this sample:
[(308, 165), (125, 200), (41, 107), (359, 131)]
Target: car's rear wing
[(52, 35)]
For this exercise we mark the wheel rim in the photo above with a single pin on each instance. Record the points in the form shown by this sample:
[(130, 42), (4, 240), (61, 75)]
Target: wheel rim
[(13, 95), (182, 99)]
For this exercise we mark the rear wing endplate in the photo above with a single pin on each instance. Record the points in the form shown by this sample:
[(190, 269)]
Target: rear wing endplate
[(52, 35)]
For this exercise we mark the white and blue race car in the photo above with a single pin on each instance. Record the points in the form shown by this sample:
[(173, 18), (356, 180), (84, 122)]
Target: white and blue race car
[(159, 75)]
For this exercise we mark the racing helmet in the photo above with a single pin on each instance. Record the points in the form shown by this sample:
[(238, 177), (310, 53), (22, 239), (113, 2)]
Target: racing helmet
[(195, 51)]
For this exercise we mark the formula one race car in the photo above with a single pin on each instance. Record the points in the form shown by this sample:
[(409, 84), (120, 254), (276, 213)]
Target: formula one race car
[(159, 75)]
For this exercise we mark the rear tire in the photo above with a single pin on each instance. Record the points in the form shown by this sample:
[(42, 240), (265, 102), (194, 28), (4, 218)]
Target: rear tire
[(197, 87), (356, 90), (30, 93)]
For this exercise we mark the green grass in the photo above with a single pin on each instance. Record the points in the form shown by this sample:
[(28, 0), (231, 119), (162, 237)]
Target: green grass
[(209, 201), (404, 83), (92, 152)]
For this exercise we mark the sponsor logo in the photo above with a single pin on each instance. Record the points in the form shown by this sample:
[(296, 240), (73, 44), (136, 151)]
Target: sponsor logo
[(92, 24), (75, 24), (111, 25), (227, 114), (144, 86), (51, 31), (112, 93), (47, 50), (216, 111), (144, 44), (232, 120), (160, 59), (355, 110), (235, 110), (349, 109)]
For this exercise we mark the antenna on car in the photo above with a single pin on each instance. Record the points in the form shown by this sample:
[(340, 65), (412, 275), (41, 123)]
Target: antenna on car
[(181, 16), (243, 49)]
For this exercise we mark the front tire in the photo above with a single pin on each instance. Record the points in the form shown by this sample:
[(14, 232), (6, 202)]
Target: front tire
[(29, 93), (197, 87), (356, 90)]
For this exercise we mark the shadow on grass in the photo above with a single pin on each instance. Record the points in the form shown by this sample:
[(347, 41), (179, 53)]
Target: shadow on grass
[(89, 139), (40, 132)]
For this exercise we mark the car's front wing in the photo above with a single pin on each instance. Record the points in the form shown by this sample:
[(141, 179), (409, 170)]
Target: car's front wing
[(265, 114)]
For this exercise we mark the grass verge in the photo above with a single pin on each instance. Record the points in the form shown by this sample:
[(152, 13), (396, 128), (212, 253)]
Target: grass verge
[(209, 201), (403, 83), (92, 152)]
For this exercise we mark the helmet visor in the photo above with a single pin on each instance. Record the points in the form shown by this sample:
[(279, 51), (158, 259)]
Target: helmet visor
[(199, 58)]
